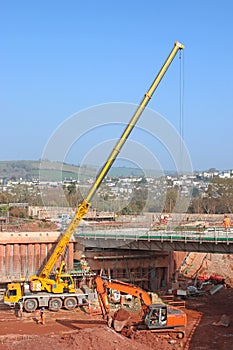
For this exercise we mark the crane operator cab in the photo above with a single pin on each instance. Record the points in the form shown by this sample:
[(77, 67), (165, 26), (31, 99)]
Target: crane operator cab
[(156, 316)]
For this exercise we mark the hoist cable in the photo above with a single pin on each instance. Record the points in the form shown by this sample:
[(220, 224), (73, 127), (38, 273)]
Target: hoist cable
[(181, 84)]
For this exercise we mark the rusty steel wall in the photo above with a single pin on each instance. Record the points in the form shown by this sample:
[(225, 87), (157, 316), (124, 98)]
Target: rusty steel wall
[(24, 254)]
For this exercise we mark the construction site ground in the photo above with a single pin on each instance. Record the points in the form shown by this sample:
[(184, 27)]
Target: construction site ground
[(78, 330)]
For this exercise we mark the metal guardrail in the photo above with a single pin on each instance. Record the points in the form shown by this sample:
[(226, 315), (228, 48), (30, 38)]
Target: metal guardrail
[(213, 235)]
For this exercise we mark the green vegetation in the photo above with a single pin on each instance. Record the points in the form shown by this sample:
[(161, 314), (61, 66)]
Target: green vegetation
[(218, 199)]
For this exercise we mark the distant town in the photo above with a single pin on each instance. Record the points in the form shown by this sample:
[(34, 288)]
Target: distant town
[(210, 192)]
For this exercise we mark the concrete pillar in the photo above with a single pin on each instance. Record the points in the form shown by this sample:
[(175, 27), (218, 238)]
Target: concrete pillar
[(170, 267), (49, 249), (37, 258), (31, 268), (9, 262), (159, 274), (43, 254), (2, 262), (153, 280), (16, 261), (23, 260)]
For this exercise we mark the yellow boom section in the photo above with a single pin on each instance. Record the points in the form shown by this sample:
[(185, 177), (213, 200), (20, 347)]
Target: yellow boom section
[(83, 207)]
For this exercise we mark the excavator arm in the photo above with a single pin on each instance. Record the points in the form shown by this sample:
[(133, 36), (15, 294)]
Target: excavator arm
[(83, 207), (102, 286)]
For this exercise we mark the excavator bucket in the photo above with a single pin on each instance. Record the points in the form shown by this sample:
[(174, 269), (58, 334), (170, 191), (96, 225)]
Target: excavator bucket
[(119, 325), (120, 319)]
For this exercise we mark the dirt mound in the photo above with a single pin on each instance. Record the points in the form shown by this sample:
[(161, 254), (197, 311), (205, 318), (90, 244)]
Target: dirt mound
[(84, 339)]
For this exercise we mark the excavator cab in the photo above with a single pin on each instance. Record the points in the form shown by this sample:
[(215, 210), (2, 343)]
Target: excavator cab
[(160, 317), (156, 316)]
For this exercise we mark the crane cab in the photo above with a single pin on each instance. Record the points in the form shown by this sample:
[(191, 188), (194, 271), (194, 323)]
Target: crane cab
[(65, 283), (13, 294)]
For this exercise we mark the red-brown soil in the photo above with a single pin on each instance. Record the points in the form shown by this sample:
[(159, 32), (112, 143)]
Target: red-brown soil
[(78, 330), (211, 308)]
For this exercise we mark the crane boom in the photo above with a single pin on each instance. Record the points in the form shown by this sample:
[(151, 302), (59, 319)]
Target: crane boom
[(83, 207)]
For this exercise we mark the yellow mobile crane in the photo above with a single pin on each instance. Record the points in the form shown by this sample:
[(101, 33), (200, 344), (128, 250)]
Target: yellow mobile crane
[(55, 292)]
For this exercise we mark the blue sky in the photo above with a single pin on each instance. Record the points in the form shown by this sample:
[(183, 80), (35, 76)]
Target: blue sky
[(60, 57)]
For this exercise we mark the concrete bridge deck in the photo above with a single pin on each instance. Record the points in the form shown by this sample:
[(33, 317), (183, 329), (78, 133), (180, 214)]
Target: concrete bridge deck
[(211, 240)]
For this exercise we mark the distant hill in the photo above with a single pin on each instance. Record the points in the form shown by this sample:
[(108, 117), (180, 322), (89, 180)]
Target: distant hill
[(17, 169), (54, 171), (47, 170)]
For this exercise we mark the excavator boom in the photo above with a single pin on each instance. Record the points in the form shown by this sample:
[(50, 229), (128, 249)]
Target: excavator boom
[(102, 285), (83, 207)]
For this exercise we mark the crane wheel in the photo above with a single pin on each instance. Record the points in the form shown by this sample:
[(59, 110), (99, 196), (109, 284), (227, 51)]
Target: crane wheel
[(55, 304), (70, 303), (30, 305)]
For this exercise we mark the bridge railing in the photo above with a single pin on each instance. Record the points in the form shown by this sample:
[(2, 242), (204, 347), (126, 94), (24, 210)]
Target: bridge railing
[(213, 234)]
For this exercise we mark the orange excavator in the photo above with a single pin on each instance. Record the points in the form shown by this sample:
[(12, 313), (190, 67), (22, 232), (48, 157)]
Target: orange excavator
[(156, 317)]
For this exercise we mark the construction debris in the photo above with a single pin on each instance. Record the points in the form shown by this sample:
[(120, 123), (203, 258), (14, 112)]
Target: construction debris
[(215, 289), (224, 321)]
